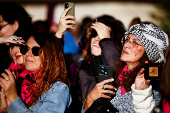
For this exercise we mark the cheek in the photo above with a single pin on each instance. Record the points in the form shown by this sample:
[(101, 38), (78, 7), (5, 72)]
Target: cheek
[(38, 63), (138, 51)]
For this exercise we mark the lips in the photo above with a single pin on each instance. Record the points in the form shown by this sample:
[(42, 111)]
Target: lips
[(96, 45), (18, 56), (28, 61), (125, 52)]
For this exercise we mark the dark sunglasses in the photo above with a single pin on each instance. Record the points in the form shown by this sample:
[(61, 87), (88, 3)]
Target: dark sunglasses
[(2, 26), (35, 50), (93, 33)]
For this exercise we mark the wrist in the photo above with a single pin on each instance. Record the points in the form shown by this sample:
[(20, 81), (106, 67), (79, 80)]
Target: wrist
[(58, 35), (12, 98), (88, 102)]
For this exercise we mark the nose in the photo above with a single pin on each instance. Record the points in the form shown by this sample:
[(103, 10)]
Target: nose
[(127, 44), (16, 49), (29, 53)]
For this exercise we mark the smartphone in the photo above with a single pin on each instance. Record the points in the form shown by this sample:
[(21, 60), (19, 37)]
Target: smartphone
[(106, 72), (153, 71), (72, 10)]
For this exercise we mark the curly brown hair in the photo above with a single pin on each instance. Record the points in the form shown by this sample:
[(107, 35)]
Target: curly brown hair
[(116, 34), (129, 78), (53, 66)]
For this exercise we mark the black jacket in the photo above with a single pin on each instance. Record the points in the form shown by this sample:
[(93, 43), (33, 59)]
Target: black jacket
[(87, 78)]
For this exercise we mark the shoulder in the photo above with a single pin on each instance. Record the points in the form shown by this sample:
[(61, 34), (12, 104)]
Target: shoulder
[(59, 86), (58, 92)]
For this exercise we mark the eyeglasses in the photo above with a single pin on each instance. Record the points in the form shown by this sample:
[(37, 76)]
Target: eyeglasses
[(35, 50), (93, 33), (134, 42), (2, 26)]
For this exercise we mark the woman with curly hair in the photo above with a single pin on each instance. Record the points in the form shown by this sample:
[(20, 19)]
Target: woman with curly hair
[(44, 86)]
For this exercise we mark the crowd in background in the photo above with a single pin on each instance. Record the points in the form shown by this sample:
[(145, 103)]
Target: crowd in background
[(55, 68)]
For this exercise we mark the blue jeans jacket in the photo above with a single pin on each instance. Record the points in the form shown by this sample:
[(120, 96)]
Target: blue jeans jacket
[(56, 100)]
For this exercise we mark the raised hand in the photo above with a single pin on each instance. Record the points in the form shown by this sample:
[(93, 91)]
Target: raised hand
[(140, 82), (11, 39), (64, 23), (102, 30)]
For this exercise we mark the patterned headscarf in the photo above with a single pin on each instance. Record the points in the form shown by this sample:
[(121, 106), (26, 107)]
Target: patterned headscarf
[(154, 40)]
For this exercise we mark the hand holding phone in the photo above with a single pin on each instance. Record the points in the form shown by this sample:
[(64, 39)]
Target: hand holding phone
[(66, 21), (71, 11), (106, 72)]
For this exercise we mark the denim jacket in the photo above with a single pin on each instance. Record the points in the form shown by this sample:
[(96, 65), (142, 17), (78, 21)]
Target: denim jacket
[(56, 100)]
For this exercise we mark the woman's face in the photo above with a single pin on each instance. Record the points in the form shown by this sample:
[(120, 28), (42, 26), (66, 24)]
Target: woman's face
[(95, 48), (16, 55), (132, 51), (32, 63), (7, 29)]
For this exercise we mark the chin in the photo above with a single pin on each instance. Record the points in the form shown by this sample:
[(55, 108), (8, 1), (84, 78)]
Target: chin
[(124, 59), (20, 63)]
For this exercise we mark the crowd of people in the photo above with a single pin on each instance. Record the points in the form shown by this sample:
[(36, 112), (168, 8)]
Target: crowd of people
[(58, 72)]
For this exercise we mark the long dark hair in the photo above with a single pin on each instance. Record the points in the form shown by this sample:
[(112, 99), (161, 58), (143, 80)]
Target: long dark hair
[(53, 66), (116, 34)]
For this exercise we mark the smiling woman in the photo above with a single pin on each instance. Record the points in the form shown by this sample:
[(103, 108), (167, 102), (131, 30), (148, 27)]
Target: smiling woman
[(45, 78)]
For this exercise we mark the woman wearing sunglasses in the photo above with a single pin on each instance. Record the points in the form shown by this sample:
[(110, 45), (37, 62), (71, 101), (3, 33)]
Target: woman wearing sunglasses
[(45, 73), (143, 43), (44, 87)]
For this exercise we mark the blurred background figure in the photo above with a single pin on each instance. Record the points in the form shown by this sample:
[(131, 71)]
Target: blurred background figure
[(164, 106), (41, 26), (134, 21)]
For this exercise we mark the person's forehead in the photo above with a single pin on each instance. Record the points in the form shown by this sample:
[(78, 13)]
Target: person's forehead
[(132, 36)]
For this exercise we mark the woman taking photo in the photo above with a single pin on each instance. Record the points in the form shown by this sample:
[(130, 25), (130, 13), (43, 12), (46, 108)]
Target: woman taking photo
[(43, 59), (143, 43)]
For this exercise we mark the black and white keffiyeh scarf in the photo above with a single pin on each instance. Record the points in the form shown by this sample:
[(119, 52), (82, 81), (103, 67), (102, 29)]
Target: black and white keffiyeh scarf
[(154, 40)]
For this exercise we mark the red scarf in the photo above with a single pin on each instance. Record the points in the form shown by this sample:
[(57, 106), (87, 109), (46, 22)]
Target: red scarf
[(28, 88), (123, 91), (27, 83), (16, 68)]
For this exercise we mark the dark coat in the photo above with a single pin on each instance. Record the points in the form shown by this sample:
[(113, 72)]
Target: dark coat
[(88, 73)]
